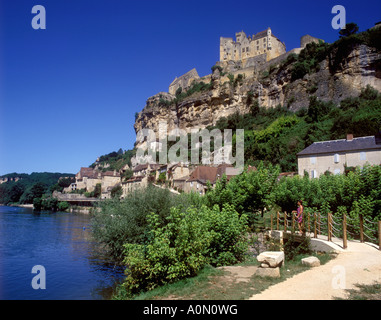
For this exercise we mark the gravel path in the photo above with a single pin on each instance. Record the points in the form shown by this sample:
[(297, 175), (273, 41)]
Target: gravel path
[(360, 263)]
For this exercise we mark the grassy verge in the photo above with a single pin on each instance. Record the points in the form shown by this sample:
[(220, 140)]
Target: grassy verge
[(219, 284), (364, 292)]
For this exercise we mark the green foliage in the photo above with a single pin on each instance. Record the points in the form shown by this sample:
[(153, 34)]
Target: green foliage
[(276, 135), (162, 177), (49, 204), (215, 67), (184, 245), (116, 192), (63, 206), (115, 160), (31, 186), (249, 193), (120, 221), (293, 248), (309, 59), (358, 191)]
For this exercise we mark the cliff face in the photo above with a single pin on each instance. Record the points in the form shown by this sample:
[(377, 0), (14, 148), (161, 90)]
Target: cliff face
[(270, 85)]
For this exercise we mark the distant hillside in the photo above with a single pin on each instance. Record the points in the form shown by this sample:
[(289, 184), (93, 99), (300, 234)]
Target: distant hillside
[(23, 188)]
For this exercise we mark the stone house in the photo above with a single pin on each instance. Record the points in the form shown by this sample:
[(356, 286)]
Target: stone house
[(335, 155), (109, 180), (86, 178), (183, 81)]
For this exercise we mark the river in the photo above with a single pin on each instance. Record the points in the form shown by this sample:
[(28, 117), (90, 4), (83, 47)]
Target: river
[(59, 242)]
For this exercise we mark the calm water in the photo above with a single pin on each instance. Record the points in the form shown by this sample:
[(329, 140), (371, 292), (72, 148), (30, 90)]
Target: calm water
[(61, 242)]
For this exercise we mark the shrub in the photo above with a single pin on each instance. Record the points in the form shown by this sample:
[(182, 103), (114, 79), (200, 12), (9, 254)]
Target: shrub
[(63, 206), (183, 246), (121, 221)]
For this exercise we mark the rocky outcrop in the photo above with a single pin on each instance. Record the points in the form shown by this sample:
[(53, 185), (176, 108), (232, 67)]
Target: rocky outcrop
[(270, 84)]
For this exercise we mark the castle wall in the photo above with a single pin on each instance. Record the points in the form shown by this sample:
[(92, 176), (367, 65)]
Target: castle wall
[(245, 47)]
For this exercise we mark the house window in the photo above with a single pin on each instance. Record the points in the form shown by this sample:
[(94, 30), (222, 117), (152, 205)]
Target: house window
[(313, 160), (337, 171), (313, 174), (336, 158), (362, 155)]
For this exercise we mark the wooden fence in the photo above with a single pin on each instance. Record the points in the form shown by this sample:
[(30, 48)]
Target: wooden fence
[(331, 226)]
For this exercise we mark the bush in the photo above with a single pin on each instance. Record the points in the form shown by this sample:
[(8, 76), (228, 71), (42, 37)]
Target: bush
[(121, 221), (293, 248), (183, 246), (63, 206)]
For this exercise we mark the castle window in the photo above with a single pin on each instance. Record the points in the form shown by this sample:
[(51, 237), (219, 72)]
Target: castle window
[(257, 41), (247, 49), (264, 39), (264, 45), (257, 48)]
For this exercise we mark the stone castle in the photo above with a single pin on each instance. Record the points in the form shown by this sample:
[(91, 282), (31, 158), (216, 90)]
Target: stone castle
[(247, 47), (243, 55)]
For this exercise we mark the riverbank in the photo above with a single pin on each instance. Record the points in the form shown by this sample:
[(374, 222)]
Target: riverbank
[(29, 205)]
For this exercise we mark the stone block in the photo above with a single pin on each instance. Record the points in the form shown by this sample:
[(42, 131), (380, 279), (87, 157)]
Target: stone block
[(268, 272), (272, 258), (311, 262)]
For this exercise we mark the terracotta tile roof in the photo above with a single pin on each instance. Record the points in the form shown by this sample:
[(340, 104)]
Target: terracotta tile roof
[(204, 174), (88, 173), (140, 167), (111, 174)]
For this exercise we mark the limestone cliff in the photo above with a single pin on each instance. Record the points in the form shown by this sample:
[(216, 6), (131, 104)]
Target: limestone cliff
[(271, 84)]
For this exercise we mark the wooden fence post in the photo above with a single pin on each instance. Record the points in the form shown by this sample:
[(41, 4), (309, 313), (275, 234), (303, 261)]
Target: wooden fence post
[(319, 232), (315, 225), (345, 244), (329, 226), (361, 228), (293, 222), (379, 235)]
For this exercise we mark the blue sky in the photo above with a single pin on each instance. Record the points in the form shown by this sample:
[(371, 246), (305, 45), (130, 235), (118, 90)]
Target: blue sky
[(68, 94)]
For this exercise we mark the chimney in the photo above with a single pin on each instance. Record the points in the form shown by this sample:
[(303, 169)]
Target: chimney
[(349, 137)]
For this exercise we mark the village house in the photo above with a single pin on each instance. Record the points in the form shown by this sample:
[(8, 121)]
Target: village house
[(333, 156), (88, 178)]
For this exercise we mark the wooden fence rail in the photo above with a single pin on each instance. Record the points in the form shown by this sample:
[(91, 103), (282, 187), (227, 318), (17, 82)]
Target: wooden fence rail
[(330, 224)]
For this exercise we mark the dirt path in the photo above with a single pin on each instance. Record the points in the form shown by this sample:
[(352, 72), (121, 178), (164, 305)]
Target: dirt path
[(360, 263)]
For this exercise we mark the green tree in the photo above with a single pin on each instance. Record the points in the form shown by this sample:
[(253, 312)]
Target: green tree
[(350, 28)]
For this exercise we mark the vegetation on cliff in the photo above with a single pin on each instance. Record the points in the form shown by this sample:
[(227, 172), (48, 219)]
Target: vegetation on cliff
[(276, 135)]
